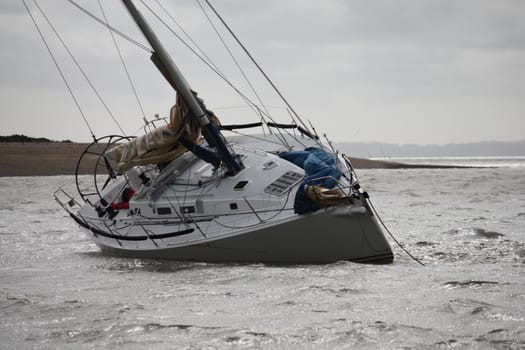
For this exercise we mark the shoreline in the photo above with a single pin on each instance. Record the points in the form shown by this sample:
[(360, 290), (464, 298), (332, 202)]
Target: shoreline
[(60, 158)]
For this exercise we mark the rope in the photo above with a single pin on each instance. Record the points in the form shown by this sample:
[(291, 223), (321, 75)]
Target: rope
[(118, 32), (187, 36), (58, 68), (95, 91), (234, 59), (252, 88), (206, 60), (122, 59), (256, 64), (391, 235)]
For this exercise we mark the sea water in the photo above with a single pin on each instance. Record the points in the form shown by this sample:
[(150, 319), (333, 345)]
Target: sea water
[(467, 225)]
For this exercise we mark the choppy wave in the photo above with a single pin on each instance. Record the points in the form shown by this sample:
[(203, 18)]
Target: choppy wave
[(469, 283), (475, 232)]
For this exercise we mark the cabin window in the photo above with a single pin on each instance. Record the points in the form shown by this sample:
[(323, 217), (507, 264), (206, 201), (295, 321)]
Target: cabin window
[(188, 210), (164, 211), (233, 206), (241, 185)]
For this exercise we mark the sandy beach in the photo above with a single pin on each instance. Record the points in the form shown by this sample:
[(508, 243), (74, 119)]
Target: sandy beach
[(39, 159), (57, 158)]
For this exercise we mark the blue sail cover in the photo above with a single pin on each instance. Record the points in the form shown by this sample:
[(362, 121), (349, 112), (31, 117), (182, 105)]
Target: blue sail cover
[(320, 168)]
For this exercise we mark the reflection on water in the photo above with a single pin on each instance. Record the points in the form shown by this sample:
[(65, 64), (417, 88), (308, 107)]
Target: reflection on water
[(485, 162)]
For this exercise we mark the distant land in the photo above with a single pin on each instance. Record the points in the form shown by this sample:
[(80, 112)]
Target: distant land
[(477, 149), (383, 150), (21, 155), (24, 138)]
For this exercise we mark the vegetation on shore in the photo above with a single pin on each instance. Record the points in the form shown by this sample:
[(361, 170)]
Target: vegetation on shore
[(24, 138)]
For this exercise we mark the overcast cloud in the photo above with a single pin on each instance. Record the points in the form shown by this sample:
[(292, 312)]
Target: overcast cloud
[(403, 71)]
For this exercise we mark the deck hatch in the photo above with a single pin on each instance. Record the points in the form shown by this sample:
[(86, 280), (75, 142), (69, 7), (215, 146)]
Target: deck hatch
[(283, 183)]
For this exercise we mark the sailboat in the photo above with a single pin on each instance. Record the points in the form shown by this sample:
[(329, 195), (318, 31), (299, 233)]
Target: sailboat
[(186, 191)]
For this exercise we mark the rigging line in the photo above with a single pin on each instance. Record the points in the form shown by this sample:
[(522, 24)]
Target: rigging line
[(391, 235), (234, 59), (187, 217), (212, 67), (205, 59), (252, 88), (255, 108), (243, 106), (278, 212), (279, 132), (255, 137), (146, 232), (256, 64), (209, 65), (121, 59), (59, 69), (253, 209), (180, 215), (78, 65), (188, 36), (293, 120), (118, 32)]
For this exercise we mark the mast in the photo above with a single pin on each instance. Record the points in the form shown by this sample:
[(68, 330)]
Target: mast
[(171, 72)]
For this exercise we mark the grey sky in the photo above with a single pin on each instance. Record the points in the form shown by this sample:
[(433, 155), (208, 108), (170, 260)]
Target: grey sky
[(404, 71)]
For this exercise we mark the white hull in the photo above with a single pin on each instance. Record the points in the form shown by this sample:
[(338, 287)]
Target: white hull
[(322, 237)]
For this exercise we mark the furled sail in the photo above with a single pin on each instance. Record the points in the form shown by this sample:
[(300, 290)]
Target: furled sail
[(162, 144)]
